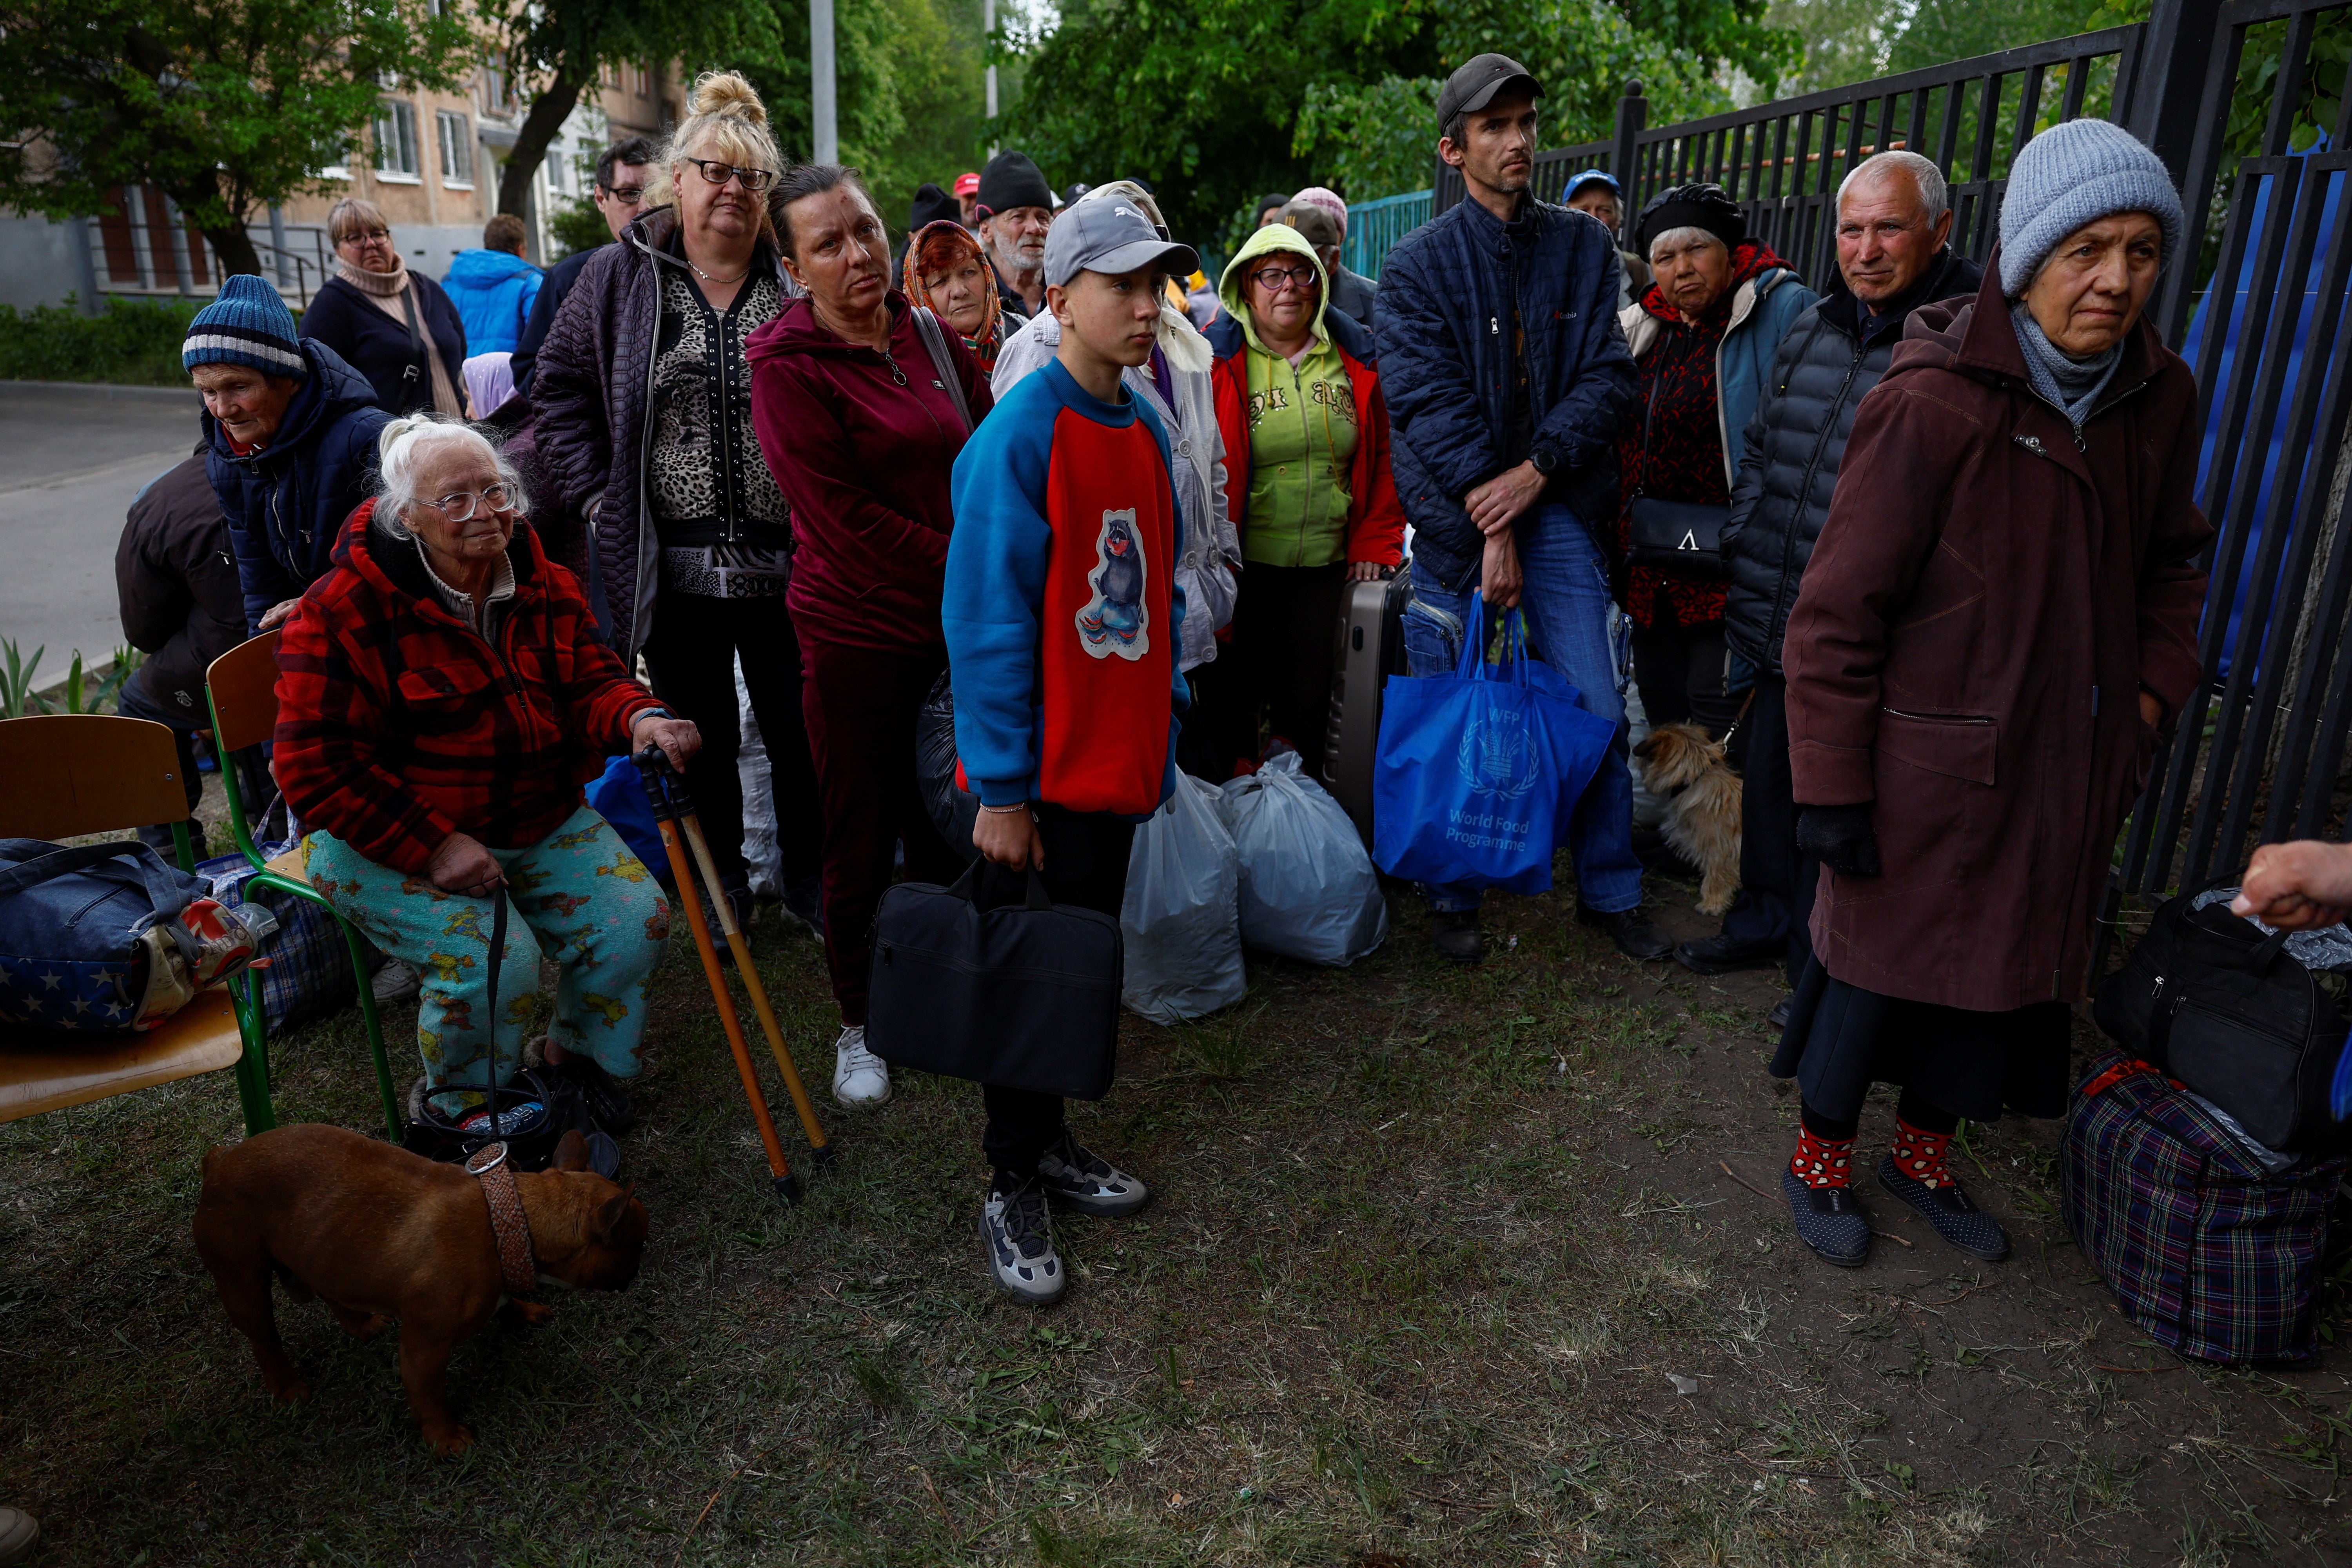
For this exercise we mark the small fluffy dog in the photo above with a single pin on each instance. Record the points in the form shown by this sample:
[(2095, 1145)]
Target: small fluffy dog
[(1682, 767), (377, 1233)]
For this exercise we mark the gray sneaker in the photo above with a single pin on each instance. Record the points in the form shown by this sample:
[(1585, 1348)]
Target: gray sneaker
[(1019, 1237), (1077, 1178)]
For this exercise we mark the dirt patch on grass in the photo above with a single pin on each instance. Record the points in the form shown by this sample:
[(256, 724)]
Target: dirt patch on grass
[(1442, 1268)]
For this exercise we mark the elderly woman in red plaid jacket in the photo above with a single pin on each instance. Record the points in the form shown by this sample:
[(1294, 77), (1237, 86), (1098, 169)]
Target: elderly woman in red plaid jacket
[(442, 698)]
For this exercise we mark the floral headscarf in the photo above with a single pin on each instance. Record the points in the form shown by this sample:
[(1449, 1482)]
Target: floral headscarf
[(944, 242)]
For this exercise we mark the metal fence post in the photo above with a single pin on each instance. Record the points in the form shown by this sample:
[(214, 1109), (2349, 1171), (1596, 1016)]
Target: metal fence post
[(1633, 114), (2168, 88)]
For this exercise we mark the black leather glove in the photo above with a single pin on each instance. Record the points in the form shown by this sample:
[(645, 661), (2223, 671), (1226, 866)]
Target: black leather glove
[(1839, 837)]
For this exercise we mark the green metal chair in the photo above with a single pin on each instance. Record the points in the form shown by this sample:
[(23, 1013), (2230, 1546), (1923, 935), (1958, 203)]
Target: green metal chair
[(68, 776), (241, 687)]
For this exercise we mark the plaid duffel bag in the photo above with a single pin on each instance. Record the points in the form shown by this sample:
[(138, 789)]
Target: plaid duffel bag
[(2216, 1256)]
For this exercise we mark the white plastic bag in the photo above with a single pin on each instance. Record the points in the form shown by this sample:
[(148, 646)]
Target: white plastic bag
[(763, 856), (1308, 889), (1181, 919)]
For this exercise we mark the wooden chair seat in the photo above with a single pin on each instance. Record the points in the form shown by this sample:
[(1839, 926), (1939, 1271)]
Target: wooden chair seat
[(289, 866), (200, 1037)]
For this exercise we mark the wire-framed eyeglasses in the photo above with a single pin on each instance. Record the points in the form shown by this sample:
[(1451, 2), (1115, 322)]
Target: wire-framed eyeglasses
[(461, 506), (755, 181), (1275, 279)]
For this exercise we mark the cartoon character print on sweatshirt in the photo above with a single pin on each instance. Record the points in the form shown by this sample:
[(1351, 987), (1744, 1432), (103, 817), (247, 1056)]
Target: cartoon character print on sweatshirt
[(1114, 620)]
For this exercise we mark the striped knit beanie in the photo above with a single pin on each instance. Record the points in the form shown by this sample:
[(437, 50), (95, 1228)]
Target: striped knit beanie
[(249, 324), (2076, 173)]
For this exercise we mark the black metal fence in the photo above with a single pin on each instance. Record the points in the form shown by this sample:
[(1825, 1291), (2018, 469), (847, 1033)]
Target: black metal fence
[(1783, 161), (2259, 755), (2250, 104)]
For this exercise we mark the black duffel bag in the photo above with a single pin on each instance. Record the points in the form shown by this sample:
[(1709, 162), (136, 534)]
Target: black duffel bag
[(2210, 999), (1022, 996)]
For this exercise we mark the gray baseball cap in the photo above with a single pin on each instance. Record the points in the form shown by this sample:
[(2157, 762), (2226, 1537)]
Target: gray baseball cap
[(1109, 236)]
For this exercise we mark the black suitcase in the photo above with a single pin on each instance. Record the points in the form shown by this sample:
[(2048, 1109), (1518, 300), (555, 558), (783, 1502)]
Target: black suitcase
[(1369, 649), (1022, 996)]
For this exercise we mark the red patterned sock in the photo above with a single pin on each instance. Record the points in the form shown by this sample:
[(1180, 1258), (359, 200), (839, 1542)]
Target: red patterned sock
[(1822, 1162), (1920, 1156)]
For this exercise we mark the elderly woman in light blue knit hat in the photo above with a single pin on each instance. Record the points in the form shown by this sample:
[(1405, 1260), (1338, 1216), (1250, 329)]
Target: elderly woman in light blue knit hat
[(1998, 623)]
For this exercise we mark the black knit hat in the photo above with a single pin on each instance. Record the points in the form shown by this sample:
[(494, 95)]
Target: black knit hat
[(931, 204), (1707, 206), (1011, 181)]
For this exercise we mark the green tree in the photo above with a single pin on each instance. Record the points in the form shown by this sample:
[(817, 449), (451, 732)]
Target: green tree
[(226, 106), (1216, 100)]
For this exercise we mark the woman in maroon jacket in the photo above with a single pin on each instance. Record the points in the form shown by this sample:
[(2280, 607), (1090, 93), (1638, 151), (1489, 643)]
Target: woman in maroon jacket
[(861, 402)]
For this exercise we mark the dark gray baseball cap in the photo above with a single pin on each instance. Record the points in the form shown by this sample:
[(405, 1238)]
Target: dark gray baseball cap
[(1474, 87), (1111, 235)]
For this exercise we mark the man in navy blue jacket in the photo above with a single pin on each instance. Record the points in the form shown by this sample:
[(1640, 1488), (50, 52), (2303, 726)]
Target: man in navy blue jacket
[(1506, 378)]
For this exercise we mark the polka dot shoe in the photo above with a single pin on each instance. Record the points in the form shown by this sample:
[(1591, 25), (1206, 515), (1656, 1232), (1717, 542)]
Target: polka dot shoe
[(1947, 1208), (1828, 1221)]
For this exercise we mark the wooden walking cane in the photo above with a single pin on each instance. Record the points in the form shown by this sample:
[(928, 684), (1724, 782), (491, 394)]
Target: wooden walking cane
[(758, 990), (653, 769)]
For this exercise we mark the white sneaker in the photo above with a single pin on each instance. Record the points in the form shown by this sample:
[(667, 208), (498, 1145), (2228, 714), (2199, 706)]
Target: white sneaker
[(395, 981), (860, 1078)]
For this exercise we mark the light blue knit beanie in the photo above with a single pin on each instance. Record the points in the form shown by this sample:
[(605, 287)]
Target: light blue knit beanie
[(2078, 172), (249, 324)]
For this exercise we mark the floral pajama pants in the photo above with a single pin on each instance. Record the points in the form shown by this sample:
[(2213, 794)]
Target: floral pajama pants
[(577, 895)]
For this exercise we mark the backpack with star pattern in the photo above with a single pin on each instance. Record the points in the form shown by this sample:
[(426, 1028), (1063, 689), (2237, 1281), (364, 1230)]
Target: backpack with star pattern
[(107, 939)]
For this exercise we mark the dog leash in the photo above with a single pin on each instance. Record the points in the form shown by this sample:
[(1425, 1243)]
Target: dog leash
[(518, 1267)]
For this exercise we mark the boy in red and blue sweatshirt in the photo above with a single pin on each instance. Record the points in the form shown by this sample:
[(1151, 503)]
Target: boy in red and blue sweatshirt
[(1061, 612)]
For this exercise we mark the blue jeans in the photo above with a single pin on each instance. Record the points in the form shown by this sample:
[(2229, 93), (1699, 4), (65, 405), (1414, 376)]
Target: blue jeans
[(1567, 602)]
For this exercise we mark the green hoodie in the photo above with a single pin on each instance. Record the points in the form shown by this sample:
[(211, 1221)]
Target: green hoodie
[(1302, 423)]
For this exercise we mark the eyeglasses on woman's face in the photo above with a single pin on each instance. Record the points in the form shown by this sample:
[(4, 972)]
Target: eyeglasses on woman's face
[(461, 506), (715, 173), (1275, 279)]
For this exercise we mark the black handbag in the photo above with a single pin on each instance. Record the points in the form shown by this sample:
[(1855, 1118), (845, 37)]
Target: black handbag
[(1023, 995), (1683, 538), (2211, 1000)]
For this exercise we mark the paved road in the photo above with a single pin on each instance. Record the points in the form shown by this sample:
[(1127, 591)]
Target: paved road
[(71, 460)]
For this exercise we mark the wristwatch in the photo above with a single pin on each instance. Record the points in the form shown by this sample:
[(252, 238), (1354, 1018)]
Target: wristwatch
[(1544, 460)]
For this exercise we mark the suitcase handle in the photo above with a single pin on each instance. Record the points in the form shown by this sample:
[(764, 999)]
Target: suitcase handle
[(967, 886)]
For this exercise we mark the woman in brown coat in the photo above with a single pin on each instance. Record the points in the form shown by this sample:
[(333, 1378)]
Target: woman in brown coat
[(1999, 618)]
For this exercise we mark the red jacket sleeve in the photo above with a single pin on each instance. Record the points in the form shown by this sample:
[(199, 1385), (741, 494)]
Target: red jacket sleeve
[(600, 698), (330, 713), (1376, 522)]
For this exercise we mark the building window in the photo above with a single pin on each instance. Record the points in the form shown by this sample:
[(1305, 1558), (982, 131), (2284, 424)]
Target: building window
[(457, 149), (395, 138), (645, 81)]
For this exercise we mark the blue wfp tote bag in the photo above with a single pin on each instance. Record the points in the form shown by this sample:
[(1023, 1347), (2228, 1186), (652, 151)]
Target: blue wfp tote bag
[(1480, 771)]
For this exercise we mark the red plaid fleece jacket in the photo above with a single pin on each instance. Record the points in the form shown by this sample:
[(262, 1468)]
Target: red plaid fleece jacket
[(398, 725)]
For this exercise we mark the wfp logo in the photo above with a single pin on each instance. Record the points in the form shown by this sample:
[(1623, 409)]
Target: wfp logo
[(1497, 756)]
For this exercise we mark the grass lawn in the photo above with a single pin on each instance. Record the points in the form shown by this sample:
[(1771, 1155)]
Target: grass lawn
[(1442, 1269)]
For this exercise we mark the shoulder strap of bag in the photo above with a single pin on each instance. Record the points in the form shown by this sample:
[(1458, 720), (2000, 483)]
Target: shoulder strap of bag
[(167, 897), (423, 367), (927, 326)]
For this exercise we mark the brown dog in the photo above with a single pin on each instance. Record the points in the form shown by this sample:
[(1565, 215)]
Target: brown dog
[(378, 1232), (1682, 767)]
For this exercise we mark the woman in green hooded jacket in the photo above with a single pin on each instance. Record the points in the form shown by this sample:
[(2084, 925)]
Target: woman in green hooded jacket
[(1306, 442)]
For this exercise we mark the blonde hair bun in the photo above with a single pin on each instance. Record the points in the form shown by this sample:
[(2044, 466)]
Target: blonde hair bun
[(726, 92)]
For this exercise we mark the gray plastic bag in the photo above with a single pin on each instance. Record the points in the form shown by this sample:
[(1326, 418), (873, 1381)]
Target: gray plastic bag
[(1182, 913), (1308, 889)]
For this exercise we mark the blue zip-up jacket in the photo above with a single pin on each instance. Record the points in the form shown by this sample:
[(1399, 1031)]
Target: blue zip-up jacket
[(286, 502), (493, 291), (1443, 321), (1019, 500)]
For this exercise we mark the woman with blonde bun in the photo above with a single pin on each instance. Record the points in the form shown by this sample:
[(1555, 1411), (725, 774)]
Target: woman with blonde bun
[(643, 409)]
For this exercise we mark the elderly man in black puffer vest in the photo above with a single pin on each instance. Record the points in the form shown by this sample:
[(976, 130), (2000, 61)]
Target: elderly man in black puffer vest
[(1892, 221)]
